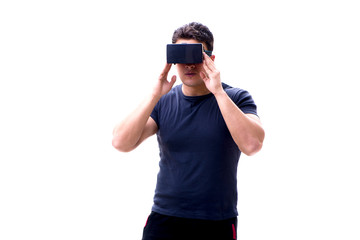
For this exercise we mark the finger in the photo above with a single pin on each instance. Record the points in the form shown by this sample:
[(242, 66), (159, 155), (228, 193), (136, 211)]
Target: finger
[(167, 67), (208, 62), (206, 68), (165, 71)]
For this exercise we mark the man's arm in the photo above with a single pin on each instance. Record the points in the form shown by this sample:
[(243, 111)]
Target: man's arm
[(138, 126), (245, 129)]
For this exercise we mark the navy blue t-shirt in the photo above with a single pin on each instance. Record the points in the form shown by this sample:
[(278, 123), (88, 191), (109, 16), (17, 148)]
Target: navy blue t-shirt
[(198, 157)]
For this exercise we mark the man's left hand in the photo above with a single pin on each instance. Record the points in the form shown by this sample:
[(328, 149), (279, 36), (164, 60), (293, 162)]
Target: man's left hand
[(211, 76)]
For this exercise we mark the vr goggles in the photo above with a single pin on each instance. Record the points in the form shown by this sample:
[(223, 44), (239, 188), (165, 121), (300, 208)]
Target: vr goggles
[(185, 53)]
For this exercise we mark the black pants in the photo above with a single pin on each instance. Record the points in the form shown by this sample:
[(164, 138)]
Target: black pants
[(162, 227)]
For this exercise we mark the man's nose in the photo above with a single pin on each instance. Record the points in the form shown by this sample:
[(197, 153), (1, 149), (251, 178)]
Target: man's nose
[(190, 66)]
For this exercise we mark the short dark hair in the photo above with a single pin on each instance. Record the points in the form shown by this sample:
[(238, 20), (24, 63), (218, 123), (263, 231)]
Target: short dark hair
[(195, 31)]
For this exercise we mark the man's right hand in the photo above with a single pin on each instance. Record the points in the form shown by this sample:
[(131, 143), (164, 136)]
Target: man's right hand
[(163, 86), (138, 126)]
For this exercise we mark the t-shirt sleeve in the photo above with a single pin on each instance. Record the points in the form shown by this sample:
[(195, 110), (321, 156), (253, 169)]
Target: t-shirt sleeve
[(155, 114), (244, 101)]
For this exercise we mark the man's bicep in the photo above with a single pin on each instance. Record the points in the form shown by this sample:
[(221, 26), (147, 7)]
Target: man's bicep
[(150, 129), (152, 126)]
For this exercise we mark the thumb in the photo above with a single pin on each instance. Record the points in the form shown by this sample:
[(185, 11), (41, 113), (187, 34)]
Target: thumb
[(173, 80), (203, 76)]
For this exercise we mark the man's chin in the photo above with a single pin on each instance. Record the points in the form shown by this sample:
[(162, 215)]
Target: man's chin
[(192, 82)]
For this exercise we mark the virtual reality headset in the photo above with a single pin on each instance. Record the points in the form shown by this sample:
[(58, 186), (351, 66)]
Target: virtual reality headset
[(185, 53)]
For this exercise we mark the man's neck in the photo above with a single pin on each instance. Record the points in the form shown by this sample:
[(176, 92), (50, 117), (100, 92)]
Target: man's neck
[(193, 91)]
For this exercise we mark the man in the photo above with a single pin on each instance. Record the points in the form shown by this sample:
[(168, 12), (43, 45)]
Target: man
[(202, 127)]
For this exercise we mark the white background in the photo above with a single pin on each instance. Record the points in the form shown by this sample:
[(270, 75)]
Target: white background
[(70, 70)]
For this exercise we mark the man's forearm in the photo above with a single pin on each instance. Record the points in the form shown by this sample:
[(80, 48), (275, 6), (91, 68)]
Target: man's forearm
[(128, 132), (246, 132)]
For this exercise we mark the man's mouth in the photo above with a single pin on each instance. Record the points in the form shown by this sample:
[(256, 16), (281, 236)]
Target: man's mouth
[(190, 74)]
